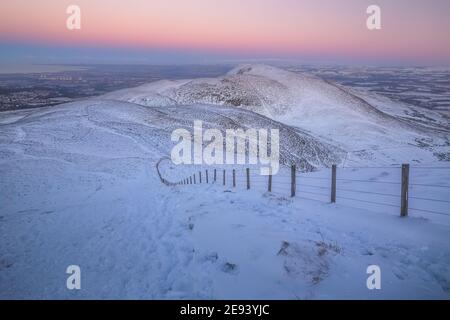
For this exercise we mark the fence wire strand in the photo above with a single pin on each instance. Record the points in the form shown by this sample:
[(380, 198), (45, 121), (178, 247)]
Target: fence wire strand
[(282, 185)]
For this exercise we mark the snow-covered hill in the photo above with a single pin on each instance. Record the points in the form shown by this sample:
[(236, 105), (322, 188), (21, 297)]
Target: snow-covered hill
[(373, 133), (79, 185), (76, 122)]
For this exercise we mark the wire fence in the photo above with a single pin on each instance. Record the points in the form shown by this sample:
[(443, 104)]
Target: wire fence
[(381, 186)]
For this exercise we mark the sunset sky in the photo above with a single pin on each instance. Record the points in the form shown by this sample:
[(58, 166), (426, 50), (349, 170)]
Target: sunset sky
[(186, 31)]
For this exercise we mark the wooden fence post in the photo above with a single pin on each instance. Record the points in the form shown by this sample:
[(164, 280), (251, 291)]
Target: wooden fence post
[(199, 177), (223, 176), (234, 178), (269, 187), (248, 178), (194, 178), (190, 180), (333, 183), (405, 187), (215, 175), (206, 176), (293, 183)]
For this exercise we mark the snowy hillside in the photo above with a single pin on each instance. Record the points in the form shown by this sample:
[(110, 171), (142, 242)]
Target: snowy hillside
[(370, 133), (83, 184)]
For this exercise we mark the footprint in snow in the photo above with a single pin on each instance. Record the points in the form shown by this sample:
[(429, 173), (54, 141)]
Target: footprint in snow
[(4, 264), (367, 252), (211, 257), (230, 268)]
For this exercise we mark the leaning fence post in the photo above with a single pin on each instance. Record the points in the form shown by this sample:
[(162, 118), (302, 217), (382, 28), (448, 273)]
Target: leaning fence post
[(206, 176), (234, 178), (248, 178), (223, 176), (215, 175), (405, 187), (293, 183), (333, 183)]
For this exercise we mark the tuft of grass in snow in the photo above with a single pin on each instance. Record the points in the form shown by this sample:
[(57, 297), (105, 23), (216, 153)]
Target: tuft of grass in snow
[(309, 259)]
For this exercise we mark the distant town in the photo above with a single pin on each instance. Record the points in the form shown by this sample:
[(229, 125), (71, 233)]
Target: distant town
[(419, 86), (38, 89)]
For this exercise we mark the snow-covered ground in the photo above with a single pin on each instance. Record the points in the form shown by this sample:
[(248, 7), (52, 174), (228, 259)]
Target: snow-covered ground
[(137, 238), (79, 185)]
